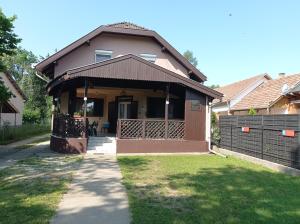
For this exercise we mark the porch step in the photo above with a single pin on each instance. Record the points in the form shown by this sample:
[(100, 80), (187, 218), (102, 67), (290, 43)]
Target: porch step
[(102, 145)]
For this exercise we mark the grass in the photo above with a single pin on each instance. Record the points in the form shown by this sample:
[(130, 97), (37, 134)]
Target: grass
[(12, 134), (31, 189), (208, 189), (34, 143)]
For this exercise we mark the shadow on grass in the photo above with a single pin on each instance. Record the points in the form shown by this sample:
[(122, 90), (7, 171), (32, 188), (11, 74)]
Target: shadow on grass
[(227, 194), (31, 189)]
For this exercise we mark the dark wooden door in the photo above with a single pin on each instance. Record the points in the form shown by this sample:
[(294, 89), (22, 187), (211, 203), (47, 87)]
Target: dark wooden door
[(133, 110), (112, 116)]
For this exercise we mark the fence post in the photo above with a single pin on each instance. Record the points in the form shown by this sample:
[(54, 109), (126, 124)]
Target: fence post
[(262, 136), (143, 128), (119, 128)]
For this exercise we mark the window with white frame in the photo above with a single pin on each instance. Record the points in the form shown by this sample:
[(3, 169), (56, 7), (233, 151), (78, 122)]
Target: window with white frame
[(102, 55), (149, 57)]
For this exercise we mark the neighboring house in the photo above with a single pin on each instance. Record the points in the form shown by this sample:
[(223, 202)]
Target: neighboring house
[(127, 80), (12, 111), (235, 92), (277, 96)]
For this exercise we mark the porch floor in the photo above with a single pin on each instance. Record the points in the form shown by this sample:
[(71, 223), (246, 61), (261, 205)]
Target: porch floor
[(102, 145)]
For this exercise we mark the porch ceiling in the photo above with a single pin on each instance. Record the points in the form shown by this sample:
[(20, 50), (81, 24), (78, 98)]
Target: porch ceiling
[(131, 67)]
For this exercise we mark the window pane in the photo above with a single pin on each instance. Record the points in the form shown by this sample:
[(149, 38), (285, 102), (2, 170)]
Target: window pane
[(94, 107), (102, 57)]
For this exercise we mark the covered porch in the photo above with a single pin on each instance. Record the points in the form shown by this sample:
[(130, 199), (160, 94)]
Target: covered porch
[(148, 108)]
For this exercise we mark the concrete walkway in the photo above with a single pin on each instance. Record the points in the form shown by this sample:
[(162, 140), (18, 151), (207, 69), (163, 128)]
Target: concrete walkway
[(12, 158), (12, 148), (96, 194)]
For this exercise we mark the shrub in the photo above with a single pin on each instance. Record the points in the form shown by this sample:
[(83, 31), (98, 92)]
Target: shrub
[(31, 116), (252, 111)]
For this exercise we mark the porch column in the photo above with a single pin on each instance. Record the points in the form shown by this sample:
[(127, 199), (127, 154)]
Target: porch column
[(85, 107), (167, 110)]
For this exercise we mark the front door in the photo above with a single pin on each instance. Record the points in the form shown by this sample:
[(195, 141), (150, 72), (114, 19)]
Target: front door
[(124, 110)]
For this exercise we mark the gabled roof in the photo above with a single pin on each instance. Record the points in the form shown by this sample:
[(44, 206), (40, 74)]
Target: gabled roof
[(295, 89), (131, 67), (267, 94), (15, 85), (121, 28), (235, 89)]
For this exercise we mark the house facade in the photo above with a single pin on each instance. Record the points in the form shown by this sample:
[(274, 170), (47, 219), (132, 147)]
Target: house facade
[(126, 81), (276, 96), (236, 92), (12, 111)]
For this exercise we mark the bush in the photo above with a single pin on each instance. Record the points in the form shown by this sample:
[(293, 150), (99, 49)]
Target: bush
[(215, 131), (31, 116), (252, 111)]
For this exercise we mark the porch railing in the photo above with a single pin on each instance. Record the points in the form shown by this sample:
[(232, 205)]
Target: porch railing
[(67, 126), (150, 129)]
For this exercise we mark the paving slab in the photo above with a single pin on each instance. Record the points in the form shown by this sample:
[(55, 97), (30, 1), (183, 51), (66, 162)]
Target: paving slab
[(96, 194)]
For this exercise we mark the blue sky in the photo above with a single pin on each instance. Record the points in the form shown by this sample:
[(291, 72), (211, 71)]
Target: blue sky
[(231, 39)]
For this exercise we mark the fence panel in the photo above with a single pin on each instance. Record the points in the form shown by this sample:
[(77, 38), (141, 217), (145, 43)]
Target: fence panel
[(265, 138)]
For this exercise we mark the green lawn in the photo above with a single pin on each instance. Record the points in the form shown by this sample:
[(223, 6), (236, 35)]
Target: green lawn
[(31, 189), (208, 189)]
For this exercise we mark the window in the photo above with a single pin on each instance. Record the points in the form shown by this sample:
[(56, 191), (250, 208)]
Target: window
[(94, 107), (101, 55), (149, 57), (156, 108)]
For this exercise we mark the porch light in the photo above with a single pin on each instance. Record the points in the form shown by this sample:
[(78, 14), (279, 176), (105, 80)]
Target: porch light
[(56, 99), (85, 98), (167, 102)]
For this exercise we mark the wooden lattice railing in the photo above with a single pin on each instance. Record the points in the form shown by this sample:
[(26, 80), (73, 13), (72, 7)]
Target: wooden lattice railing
[(150, 129), (68, 127)]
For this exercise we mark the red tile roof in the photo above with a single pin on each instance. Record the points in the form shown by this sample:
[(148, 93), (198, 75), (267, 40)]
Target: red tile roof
[(266, 94), (234, 89)]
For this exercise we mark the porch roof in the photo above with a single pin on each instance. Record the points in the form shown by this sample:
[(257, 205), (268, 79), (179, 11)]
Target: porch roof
[(131, 67)]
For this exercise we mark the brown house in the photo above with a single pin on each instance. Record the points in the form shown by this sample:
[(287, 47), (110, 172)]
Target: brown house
[(125, 83)]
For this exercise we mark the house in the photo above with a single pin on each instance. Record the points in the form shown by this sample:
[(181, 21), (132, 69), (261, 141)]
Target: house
[(277, 96), (235, 92), (12, 111), (126, 81)]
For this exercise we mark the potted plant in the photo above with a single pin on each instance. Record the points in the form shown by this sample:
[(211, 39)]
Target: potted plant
[(77, 115)]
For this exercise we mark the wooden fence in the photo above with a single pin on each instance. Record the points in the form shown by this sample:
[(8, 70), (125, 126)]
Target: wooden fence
[(66, 126), (150, 129), (274, 138)]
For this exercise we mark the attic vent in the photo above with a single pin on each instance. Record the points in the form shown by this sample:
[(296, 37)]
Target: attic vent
[(285, 88)]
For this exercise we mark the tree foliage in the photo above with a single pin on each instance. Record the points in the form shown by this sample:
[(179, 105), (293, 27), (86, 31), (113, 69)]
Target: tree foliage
[(20, 65), (214, 86), (8, 39), (252, 111), (190, 57)]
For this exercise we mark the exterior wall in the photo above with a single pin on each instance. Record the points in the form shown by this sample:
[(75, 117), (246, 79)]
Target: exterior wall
[(160, 146), (195, 119), (120, 45), (16, 102), (245, 112)]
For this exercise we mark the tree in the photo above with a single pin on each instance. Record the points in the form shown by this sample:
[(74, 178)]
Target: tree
[(8, 39), (252, 111), (37, 106), (190, 57), (5, 95), (213, 86)]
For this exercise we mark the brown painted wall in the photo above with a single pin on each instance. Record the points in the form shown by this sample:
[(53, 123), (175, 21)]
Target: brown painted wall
[(120, 45), (160, 146), (68, 145), (195, 118)]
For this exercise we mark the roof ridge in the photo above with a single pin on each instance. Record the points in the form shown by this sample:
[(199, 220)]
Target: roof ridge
[(242, 80), (126, 25)]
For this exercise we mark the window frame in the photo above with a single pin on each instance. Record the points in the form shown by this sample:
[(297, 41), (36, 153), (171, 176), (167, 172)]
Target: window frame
[(104, 53), (149, 57)]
